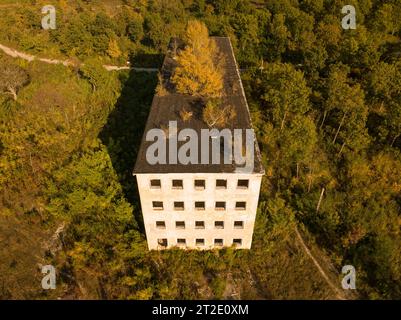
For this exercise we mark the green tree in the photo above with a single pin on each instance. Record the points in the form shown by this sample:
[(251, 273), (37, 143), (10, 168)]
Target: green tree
[(351, 112), (284, 93)]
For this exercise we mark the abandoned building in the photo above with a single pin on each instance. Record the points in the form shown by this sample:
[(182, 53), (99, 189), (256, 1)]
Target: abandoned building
[(198, 205)]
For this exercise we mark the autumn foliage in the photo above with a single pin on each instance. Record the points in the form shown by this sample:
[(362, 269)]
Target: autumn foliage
[(197, 74)]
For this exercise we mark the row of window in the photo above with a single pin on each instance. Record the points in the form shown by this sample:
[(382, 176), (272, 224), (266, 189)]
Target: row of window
[(199, 184), (198, 242), (200, 224), (199, 205)]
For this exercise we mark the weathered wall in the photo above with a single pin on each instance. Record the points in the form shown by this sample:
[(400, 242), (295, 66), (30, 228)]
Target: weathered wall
[(189, 195)]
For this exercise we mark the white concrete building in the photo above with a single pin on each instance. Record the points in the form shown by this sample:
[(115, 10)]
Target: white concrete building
[(200, 206)]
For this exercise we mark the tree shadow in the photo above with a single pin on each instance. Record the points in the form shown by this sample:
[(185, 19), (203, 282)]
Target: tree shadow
[(124, 129), (147, 60)]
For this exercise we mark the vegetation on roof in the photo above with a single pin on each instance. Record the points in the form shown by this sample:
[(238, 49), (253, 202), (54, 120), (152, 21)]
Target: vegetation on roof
[(199, 71)]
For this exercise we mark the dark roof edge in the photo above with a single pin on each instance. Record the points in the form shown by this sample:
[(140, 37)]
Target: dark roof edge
[(257, 150)]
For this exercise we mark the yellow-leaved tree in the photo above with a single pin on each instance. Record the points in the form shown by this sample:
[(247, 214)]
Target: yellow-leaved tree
[(196, 73)]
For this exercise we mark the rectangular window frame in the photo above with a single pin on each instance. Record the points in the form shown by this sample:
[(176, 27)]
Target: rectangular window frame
[(243, 187), (162, 242), (241, 226), (202, 226), (200, 242), (179, 207), (160, 224), (237, 242), (157, 186), (155, 205), (221, 187), (200, 208), (219, 207), (219, 224), (201, 184), (239, 207), (180, 225), (177, 184)]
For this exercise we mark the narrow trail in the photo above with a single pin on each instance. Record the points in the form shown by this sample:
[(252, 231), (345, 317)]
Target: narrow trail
[(338, 293), (28, 57), (10, 5)]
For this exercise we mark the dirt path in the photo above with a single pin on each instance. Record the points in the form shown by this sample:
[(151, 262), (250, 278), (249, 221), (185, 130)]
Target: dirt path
[(17, 54), (10, 5), (338, 293)]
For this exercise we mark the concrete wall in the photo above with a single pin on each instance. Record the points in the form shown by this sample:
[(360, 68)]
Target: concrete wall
[(189, 194)]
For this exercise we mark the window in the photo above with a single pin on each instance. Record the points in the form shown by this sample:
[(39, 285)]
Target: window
[(221, 184), (157, 205), (220, 205), (219, 224), (218, 242), (181, 242), (199, 184), (199, 224), (200, 242), (237, 242), (155, 184), (238, 224), (199, 205), (243, 184), (240, 205), (160, 225), (178, 205), (177, 184), (180, 224), (162, 243)]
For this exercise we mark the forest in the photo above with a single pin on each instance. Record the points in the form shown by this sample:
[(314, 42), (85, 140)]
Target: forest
[(325, 103)]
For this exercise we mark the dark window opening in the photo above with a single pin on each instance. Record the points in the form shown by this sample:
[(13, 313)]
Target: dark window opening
[(160, 224), (199, 205), (238, 224), (180, 224), (237, 242), (155, 184), (240, 205), (219, 224), (157, 205), (243, 184), (220, 205), (178, 184), (221, 184), (199, 224), (200, 184), (200, 242), (162, 243), (178, 205)]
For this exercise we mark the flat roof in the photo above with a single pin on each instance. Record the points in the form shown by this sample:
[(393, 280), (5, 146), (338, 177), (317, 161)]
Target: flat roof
[(167, 107)]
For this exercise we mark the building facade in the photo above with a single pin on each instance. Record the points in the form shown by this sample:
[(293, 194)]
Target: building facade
[(199, 210)]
